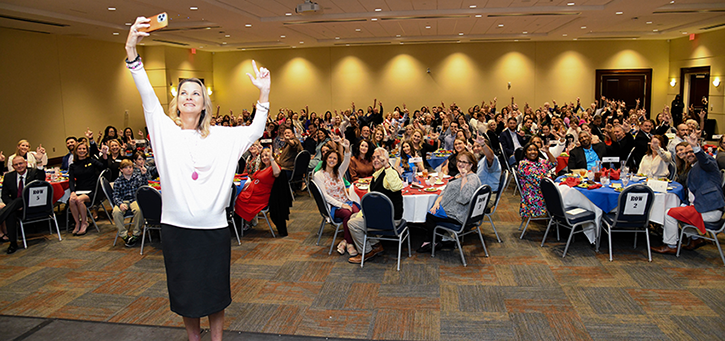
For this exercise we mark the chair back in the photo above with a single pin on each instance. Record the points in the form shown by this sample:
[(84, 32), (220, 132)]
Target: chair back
[(634, 206), (149, 201), (553, 199), (672, 168), (37, 200), (322, 205), (233, 198), (519, 154), (477, 206), (378, 212), (722, 176), (501, 185), (302, 160), (107, 189), (96, 199)]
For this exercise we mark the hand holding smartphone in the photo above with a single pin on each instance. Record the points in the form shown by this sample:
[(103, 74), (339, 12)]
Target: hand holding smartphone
[(157, 22)]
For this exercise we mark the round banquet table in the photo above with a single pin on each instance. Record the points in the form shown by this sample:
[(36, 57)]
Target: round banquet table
[(436, 161), (61, 190), (604, 200), (416, 201)]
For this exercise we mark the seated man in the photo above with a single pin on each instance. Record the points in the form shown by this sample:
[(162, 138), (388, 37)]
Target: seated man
[(124, 199), (489, 168), (70, 143), (386, 181), (587, 154), (12, 195), (703, 182)]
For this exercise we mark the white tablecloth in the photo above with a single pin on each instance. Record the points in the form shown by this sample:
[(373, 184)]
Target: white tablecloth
[(415, 207)]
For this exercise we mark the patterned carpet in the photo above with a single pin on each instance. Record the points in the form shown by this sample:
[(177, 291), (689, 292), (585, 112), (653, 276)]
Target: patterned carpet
[(292, 286)]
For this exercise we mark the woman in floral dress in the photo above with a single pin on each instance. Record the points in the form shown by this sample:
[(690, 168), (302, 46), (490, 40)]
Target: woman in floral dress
[(530, 171)]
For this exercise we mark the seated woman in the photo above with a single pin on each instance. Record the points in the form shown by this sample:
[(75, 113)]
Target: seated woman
[(424, 147), (380, 138), (361, 164), (254, 196), (129, 142), (656, 160), (404, 165), (452, 204), (330, 180), (530, 172), (449, 167), (114, 158), (36, 159), (253, 162), (140, 168), (322, 140), (82, 176)]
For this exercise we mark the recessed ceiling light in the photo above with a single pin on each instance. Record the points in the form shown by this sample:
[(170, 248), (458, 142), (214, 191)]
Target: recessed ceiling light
[(111, 8), (427, 26), (649, 23), (227, 36), (248, 25), (224, 43), (655, 30), (378, 10), (288, 14), (337, 37), (500, 25), (193, 8), (208, 28), (244, 49), (478, 15), (374, 19), (672, 2), (401, 43), (525, 32), (472, 6), (347, 44), (575, 38), (570, 4), (283, 36), (128, 24), (619, 13), (684, 32), (516, 40), (302, 42), (115, 33), (397, 35), (564, 35), (357, 30), (294, 47), (460, 34)]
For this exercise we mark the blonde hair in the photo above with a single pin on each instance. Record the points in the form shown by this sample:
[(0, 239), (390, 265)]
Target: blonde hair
[(204, 119), (125, 163), (17, 149)]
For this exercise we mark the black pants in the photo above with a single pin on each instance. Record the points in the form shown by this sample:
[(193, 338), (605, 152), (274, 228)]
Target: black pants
[(9, 215), (431, 221)]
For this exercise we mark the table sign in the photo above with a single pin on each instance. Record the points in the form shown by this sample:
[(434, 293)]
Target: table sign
[(38, 197), (415, 159), (635, 203), (657, 185), (480, 205), (265, 141), (610, 159)]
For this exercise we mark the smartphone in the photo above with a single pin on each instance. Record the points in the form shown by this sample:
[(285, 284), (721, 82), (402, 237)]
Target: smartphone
[(157, 22)]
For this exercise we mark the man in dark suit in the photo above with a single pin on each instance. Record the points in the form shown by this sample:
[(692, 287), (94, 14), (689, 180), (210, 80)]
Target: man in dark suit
[(511, 140), (641, 142), (587, 154), (622, 144), (12, 196)]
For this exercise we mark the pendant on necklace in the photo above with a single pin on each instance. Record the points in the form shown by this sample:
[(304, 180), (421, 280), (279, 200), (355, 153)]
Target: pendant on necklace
[(194, 175)]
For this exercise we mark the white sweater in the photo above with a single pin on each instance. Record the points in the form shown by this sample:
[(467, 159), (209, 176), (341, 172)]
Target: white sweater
[(201, 203)]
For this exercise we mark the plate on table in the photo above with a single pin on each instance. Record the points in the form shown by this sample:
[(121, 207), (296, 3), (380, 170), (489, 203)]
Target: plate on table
[(446, 176), (362, 186), (363, 181), (431, 189), (439, 182)]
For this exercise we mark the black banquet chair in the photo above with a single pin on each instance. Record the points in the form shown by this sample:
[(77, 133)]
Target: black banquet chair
[(37, 206), (476, 211), (568, 217), (302, 161), (149, 201), (324, 209), (632, 215), (379, 222)]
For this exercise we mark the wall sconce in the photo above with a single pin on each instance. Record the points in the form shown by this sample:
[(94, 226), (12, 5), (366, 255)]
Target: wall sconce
[(173, 91), (673, 82), (716, 82), (208, 91)]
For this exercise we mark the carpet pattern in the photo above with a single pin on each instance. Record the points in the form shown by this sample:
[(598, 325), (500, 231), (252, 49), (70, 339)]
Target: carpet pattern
[(292, 286)]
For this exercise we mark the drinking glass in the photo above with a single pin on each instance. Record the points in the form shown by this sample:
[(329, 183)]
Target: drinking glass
[(604, 180), (625, 180), (625, 169)]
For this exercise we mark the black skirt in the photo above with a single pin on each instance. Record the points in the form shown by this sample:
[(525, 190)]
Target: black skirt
[(197, 269)]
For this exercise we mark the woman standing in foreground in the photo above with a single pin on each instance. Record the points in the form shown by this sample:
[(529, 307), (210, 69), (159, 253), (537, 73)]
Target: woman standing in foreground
[(196, 164)]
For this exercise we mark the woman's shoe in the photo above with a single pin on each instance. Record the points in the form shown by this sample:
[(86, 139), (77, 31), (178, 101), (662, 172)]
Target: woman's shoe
[(4, 238), (341, 247), (352, 250)]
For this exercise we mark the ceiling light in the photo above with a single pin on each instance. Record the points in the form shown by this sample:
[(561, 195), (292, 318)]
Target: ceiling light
[(500, 25), (302, 42), (564, 35), (655, 30), (672, 2), (227, 36), (575, 38), (115, 33), (427, 26), (374, 19), (401, 43), (224, 43), (208, 28), (378, 10), (357, 30), (619, 13), (111, 8), (193, 8), (283, 36), (516, 40), (244, 49), (288, 14), (525, 32), (248, 25), (337, 37), (460, 34), (128, 24), (347, 44), (478, 15), (472, 6), (397, 35), (583, 27), (570, 4), (684, 32), (649, 23), (294, 47)]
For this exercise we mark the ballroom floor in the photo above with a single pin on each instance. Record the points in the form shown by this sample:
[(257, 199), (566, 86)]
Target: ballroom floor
[(292, 287)]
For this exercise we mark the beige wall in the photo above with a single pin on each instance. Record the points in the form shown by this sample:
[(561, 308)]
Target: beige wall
[(706, 50), (56, 86)]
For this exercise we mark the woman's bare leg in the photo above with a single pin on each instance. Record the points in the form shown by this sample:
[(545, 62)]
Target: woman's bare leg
[(216, 325), (193, 328), (73, 203), (83, 212)]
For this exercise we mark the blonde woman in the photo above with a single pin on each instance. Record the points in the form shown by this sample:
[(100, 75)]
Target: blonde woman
[(36, 159)]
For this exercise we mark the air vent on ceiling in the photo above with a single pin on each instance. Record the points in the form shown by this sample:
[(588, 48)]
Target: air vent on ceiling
[(548, 14), (713, 26), (33, 21), (171, 42), (331, 21)]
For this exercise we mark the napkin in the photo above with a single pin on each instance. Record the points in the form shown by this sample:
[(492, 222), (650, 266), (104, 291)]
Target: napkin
[(613, 174), (594, 186), (571, 182)]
